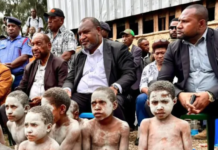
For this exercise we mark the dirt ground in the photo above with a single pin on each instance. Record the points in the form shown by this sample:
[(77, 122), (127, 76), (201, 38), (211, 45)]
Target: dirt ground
[(196, 144)]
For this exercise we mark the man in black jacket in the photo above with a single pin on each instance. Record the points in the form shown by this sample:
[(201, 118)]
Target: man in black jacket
[(100, 63)]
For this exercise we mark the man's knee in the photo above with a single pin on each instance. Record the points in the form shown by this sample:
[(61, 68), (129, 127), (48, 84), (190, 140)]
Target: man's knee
[(141, 99)]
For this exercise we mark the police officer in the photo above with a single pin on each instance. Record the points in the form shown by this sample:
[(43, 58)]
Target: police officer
[(15, 50)]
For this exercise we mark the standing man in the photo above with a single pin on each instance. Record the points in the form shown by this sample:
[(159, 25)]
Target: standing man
[(143, 43), (128, 36), (193, 60), (63, 41), (173, 25), (15, 50), (105, 29), (34, 21), (101, 62)]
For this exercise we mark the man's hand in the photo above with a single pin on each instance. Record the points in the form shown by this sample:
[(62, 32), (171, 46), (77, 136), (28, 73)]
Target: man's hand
[(201, 102), (36, 101), (185, 99), (115, 90), (68, 92), (9, 65)]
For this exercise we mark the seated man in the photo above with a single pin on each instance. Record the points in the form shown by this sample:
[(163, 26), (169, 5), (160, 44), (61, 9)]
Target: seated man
[(65, 130), (73, 112), (163, 131), (16, 107), (38, 124), (105, 131), (101, 62), (5, 82), (43, 73)]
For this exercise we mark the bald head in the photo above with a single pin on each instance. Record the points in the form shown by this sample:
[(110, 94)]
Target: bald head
[(200, 11), (43, 36)]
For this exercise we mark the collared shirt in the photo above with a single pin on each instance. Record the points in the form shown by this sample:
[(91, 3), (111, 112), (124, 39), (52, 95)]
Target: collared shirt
[(201, 74), (63, 41), (146, 60), (150, 73), (10, 50), (93, 72), (38, 88), (35, 22)]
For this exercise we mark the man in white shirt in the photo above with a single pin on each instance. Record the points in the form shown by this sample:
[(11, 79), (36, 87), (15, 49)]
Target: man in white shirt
[(34, 21), (101, 63)]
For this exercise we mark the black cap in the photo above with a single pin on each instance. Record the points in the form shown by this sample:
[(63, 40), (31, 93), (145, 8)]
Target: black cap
[(55, 12), (13, 20), (105, 26)]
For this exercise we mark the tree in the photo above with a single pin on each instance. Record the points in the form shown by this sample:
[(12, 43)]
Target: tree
[(21, 8)]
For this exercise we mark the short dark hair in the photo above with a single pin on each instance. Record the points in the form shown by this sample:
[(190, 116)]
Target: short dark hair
[(161, 43), (93, 20), (201, 11), (46, 113), (162, 85), (20, 96), (58, 97), (109, 93), (140, 40), (174, 19)]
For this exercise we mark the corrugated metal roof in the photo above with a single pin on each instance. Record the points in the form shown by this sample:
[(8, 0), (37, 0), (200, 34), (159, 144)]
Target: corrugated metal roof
[(107, 10)]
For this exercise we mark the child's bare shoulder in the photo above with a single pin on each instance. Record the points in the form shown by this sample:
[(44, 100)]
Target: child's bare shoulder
[(147, 121), (23, 145), (54, 144), (180, 122), (122, 125)]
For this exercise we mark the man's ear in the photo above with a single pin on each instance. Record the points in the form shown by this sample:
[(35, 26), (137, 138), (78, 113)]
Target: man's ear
[(26, 108), (76, 115), (115, 105), (99, 29), (49, 126), (63, 109), (148, 102), (175, 100)]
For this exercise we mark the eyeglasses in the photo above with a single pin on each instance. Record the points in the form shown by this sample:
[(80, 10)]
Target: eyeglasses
[(160, 40), (172, 27)]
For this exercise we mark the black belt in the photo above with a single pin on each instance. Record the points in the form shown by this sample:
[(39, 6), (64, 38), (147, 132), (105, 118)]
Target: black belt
[(18, 73)]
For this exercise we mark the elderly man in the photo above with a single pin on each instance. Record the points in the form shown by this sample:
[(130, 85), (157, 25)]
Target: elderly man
[(15, 50), (105, 29), (193, 60), (173, 35), (63, 40), (100, 63), (45, 72), (34, 21)]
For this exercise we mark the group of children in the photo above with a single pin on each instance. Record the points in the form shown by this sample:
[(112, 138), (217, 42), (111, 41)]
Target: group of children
[(55, 125)]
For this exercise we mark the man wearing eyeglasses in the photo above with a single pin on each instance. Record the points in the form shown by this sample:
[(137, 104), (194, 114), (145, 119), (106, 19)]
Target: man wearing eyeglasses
[(193, 59), (172, 29)]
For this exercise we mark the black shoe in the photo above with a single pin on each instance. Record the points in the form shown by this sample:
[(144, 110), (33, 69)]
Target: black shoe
[(137, 141)]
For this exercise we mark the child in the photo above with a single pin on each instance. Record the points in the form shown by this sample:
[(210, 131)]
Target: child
[(38, 124), (65, 130), (73, 112), (2, 141), (105, 131), (16, 107), (163, 131)]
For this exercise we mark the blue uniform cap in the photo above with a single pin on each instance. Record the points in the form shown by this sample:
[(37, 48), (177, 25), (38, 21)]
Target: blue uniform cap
[(13, 20)]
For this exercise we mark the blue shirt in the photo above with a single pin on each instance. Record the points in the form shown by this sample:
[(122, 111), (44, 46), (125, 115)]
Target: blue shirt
[(10, 50), (201, 74)]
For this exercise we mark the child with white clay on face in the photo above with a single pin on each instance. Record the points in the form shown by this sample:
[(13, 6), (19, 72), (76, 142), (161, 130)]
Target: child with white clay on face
[(65, 131), (105, 132), (16, 107), (163, 131), (38, 124), (73, 112)]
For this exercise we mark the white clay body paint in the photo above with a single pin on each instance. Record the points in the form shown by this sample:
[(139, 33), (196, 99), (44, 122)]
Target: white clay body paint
[(14, 109), (35, 128), (45, 102), (161, 103), (103, 110)]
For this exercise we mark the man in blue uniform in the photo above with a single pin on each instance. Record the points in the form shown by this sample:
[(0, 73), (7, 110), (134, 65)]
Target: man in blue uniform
[(15, 50)]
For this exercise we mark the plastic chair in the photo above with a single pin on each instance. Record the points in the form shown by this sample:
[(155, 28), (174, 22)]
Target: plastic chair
[(86, 115), (202, 116), (216, 133)]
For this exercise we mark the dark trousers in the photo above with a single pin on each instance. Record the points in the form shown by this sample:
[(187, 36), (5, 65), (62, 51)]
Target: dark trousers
[(84, 102)]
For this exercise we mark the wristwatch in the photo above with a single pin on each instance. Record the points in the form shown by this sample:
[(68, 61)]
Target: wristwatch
[(211, 99), (116, 87)]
